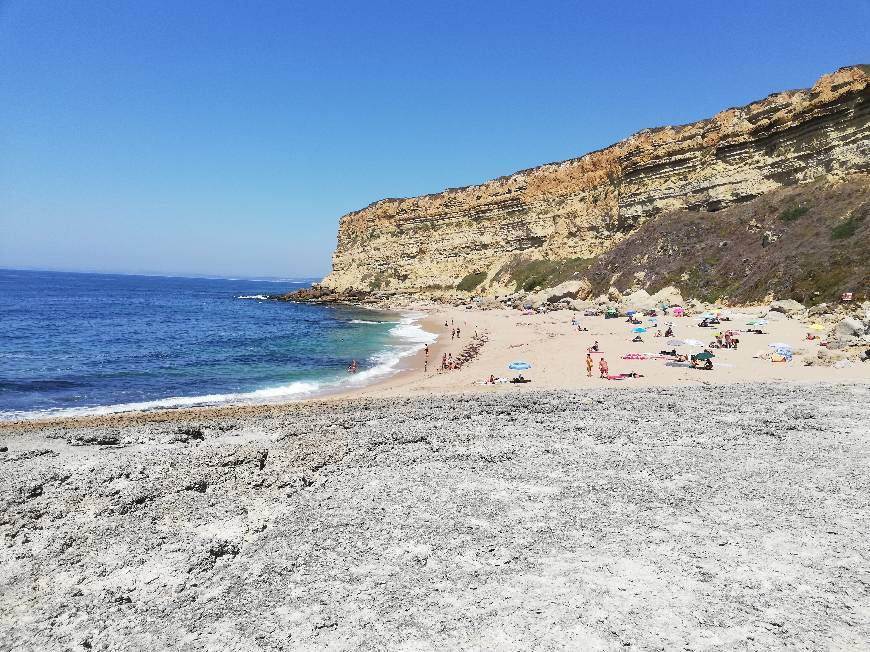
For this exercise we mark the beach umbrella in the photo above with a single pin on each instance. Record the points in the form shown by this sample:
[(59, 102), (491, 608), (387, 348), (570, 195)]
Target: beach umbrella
[(817, 327), (707, 315), (638, 329), (631, 312), (676, 343), (756, 322), (694, 343), (779, 345), (703, 355), (519, 365)]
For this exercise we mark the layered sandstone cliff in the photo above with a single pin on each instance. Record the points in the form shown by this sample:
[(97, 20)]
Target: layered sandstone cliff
[(582, 208)]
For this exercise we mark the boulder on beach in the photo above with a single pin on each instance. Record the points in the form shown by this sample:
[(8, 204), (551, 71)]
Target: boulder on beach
[(788, 307), (819, 309), (639, 300), (566, 290), (669, 295), (848, 332)]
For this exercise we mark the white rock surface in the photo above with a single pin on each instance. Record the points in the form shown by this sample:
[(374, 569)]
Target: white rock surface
[(690, 518)]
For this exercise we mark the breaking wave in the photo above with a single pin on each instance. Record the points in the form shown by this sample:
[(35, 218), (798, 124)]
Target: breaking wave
[(408, 337)]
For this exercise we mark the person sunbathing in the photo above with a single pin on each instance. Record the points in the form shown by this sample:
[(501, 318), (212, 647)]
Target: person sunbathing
[(637, 338), (519, 379), (669, 332), (672, 352)]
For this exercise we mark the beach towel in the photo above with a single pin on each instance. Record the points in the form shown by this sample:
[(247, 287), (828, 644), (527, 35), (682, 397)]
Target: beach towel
[(634, 356)]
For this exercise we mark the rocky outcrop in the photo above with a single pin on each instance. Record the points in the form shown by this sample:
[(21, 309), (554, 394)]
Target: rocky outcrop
[(577, 210)]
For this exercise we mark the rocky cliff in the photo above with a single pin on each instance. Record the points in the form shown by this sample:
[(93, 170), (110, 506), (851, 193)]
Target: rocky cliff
[(486, 238)]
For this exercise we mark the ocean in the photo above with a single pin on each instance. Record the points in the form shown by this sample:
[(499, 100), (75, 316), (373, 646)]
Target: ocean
[(75, 343)]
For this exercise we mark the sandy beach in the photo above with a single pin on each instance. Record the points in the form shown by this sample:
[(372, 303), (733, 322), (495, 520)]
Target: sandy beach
[(557, 351)]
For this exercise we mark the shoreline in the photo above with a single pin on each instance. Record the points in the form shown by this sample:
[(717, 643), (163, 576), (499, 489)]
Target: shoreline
[(556, 350), (384, 371)]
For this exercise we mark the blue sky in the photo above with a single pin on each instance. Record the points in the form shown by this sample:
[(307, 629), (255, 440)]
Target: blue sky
[(228, 137)]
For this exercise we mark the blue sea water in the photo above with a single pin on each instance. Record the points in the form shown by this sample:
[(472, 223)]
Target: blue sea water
[(89, 343)]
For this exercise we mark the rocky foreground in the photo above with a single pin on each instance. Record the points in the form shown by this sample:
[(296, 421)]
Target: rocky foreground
[(691, 518)]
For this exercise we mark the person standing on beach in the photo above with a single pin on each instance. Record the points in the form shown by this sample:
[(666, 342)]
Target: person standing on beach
[(457, 333), (453, 334), (589, 364), (602, 368)]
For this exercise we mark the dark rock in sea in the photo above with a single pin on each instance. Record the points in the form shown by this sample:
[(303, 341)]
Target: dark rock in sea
[(322, 294)]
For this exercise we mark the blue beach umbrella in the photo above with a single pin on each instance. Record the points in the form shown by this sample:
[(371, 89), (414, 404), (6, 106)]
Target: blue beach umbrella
[(631, 312), (519, 365), (638, 329)]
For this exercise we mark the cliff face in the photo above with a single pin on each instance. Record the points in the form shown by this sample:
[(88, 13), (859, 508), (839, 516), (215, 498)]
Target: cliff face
[(473, 237)]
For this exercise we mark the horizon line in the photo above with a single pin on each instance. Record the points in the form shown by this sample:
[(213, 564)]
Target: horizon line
[(259, 277)]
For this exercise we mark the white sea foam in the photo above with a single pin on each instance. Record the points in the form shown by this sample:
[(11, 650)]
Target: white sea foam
[(261, 297), (409, 339)]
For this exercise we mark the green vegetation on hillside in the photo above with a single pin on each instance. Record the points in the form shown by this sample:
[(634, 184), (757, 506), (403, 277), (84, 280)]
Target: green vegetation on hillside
[(793, 213), (750, 251), (848, 228), (529, 274), (470, 282)]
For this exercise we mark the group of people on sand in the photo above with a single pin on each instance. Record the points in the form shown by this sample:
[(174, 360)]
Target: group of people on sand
[(603, 369), (726, 340), (468, 353)]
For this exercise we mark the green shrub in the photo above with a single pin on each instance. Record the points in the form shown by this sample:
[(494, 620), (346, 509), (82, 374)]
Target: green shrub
[(377, 282), (532, 283), (847, 229), (471, 281), (793, 213)]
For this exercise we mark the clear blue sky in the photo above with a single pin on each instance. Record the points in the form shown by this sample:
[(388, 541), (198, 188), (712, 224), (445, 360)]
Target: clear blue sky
[(228, 137)]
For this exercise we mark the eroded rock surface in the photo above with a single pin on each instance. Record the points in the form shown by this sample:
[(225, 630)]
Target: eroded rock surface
[(698, 518), (582, 208)]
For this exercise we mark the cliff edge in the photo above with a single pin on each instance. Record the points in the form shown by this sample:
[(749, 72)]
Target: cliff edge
[(765, 175)]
